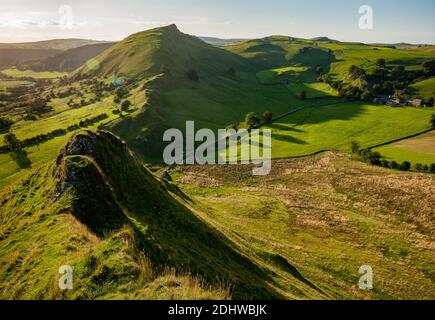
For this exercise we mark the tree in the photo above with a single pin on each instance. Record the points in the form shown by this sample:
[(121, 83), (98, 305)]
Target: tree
[(303, 95), (252, 120), (432, 168), (405, 166), (430, 102), (419, 167), (381, 63), (385, 163), (5, 123), (355, 147), (233, 126), (267, 117), (319, 70), (394, 165), (12, 142), (429, 66), (193, 75), (125, 105), (432, 121)]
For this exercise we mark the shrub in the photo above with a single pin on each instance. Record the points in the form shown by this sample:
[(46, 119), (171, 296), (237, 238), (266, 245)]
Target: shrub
[(267, 117), (252, 120), (5, 123), (421, 168), (394, 165), (303, 95), (385, 163), (125, 105), (11, 141), (405, 166), (432, 168), (355, 147)]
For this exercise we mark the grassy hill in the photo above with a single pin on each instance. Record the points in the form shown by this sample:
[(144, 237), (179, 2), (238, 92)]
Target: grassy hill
[(321, 218), (68, 60), (99, 210), (290, 235), (268, 74), (12, 54), (56, 44)]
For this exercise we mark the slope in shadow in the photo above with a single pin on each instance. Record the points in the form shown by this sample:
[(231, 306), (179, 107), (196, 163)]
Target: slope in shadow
[(112, 189)]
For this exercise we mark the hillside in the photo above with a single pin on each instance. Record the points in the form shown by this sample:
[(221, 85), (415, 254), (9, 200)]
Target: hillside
[(68, 60), (290, 235), (12, 54), (169, 77), (99, 210), (150, 52), (323, 217), (56, 44)]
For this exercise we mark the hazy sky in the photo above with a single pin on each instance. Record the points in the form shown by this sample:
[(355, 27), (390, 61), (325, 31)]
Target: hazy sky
[(394, 20)]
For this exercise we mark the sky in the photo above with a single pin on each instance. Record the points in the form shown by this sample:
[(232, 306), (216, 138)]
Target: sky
[(393, 20)]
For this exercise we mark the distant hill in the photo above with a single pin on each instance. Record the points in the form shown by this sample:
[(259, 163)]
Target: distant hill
[(13, 56), (68, 60), (56, 44), (221, 42), (324, 39), (15, 53), (148, 52)]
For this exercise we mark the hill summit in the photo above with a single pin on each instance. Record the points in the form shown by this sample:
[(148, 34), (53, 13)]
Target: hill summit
[(161, 49)]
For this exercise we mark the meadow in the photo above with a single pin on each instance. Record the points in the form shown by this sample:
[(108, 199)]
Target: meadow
[(15, 73), (420, 149), (333, 127)]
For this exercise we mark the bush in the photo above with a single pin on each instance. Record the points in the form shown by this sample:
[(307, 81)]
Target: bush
[(11, 141), (5, 123), (355, 147), (303, 95), (394, 165), (419, 167), (267, 117), (252, 120), (385, 163), (125, 105), (405, 166), (432, 168)]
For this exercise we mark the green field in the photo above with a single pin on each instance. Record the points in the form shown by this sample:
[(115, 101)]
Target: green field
[(15, 73), (420, 149), (334, 127), (8, 84), (425, 88)]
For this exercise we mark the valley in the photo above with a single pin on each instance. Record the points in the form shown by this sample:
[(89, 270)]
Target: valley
[(81, 143)]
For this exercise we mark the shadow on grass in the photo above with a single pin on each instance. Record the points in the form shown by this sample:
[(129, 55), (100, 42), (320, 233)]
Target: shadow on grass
[(21, 159), (290, 139)]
